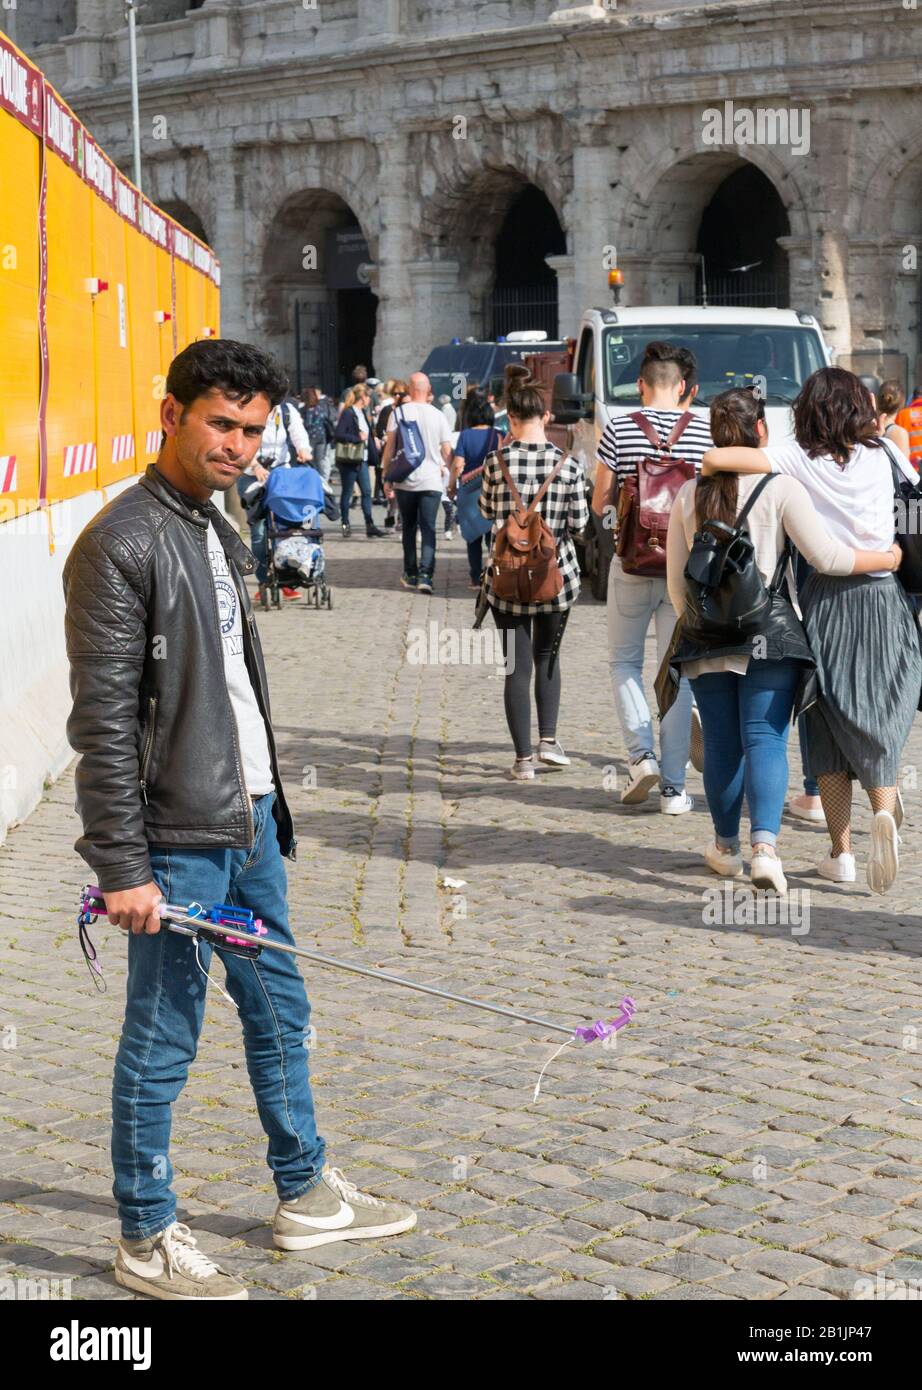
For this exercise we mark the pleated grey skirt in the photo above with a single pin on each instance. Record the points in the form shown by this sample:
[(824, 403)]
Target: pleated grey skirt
[(865, 638)]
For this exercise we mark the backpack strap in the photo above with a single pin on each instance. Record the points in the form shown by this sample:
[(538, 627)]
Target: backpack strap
[(533, 504), (895, 470), (647, 430), (753, 498), (679, 428)]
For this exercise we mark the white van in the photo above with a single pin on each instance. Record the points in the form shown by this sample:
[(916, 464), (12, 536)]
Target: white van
[(774, 349)]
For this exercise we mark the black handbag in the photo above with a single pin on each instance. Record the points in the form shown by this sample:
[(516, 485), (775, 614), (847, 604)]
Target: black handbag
[(907, 525), (726, 598)]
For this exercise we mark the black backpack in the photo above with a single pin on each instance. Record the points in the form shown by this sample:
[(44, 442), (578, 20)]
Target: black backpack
[(726, 599)]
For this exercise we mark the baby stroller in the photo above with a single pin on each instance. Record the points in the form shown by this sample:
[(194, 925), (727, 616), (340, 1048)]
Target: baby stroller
[(292, 504)]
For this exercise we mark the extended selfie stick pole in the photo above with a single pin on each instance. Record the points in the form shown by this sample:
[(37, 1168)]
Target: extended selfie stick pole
[(238, 931)]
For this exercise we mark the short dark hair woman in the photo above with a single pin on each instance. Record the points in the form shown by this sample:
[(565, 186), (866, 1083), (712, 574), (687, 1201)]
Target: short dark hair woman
[(531, 632), (861, 628)]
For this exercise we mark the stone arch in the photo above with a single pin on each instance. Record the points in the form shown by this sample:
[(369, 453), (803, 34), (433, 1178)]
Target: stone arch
[(670, 221), (472, 194), (314, 299), (186, 216), (162, 11), (890, 253)]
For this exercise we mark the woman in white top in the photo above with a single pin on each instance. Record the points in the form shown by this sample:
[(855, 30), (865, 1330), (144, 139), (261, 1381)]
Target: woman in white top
[(861, 628), (747, 690)]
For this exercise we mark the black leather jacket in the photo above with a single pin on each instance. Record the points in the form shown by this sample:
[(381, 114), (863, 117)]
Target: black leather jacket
[(152, 720)]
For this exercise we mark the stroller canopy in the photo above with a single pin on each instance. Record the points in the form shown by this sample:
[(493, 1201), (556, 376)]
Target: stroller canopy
[(294, 496)]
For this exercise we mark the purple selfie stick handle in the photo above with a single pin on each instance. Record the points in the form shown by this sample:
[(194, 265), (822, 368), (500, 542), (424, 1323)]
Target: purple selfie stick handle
[(603, 1029)]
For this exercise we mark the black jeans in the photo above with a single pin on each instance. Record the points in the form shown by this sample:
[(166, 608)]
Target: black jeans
[(532, 640), (419, 511), (350, 474)]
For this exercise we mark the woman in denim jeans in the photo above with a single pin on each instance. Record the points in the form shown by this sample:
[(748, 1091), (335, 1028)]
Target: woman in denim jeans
[(747, 691)]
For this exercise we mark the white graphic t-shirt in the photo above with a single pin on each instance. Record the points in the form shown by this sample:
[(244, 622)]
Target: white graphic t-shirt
[(254, 746)]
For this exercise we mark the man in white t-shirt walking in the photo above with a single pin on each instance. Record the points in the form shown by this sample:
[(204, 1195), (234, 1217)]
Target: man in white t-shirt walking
[(419, 495)]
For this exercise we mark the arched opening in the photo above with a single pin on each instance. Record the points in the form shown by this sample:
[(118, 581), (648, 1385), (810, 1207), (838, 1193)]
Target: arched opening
[(318, 308), (741, 261), (708, 232), (906, 286), (186, 217), (498, 228), (160, 11), (524, 291)]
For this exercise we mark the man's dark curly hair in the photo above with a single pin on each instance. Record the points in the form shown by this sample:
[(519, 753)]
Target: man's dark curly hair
[(238, 370)]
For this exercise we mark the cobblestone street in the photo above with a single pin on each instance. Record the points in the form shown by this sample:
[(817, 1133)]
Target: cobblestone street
[(754, 1135)]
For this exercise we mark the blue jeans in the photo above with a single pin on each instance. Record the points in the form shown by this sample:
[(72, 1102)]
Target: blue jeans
[(350, 474), (163, 1018), (632, 602), (475, 559), (419, 511), (745, 722)]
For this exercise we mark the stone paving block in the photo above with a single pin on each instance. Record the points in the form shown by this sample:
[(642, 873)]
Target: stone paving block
[(786, 1265), (851, 1254), (747, 1285), (638, 1282), (841, 1283)]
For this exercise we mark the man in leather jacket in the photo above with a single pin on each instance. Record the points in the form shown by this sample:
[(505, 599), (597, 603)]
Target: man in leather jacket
[(180, 796)]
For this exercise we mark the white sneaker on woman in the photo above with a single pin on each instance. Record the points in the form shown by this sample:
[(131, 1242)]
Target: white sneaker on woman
[(884, 859), (675, 803), (838, 870), (814, 814), (643, 778), (723, 861), (522, 770), (551, 752), (765, 871)]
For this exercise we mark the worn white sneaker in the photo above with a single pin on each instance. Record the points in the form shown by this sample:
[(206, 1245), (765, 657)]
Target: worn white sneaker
[(838, 870), (884, 859), (675, 803), (765, 871), (551, 752), (642, 779), (723, 861), (814, 814), (336, 1210), (522, 770), (171, 1266)]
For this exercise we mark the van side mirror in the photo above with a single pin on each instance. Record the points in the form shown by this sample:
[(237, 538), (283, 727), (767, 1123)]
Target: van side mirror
[(569, 402)]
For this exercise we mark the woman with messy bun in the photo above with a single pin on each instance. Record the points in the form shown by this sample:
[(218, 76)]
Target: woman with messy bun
[(531, 632), (747, 691), (890, 401)]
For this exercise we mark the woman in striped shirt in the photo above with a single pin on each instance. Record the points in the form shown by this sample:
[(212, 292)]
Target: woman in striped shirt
[(635, 600)]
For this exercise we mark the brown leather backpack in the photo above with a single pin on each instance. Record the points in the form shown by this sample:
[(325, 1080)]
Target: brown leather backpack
[(525, 568), (644, 502)]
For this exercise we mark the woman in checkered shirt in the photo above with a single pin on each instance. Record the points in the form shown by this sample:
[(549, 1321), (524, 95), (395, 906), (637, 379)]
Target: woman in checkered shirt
[(531, 632)]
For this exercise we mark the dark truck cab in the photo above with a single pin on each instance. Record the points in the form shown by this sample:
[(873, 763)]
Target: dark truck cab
[(456, 366)]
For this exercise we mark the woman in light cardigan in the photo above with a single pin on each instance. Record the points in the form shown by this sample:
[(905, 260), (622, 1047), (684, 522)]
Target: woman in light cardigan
[(861, 627), (747, 692)]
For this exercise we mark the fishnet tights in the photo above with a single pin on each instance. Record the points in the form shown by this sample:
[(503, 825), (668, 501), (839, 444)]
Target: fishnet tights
[(836, 796)]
